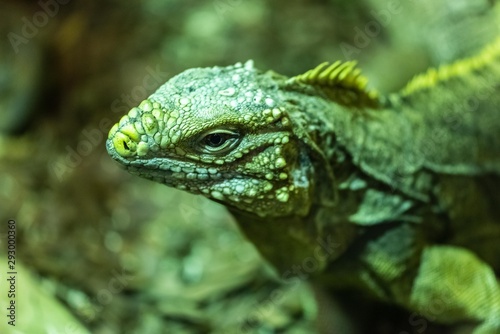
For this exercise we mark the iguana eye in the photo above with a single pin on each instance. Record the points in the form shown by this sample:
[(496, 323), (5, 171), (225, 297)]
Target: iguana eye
[(219, 141)]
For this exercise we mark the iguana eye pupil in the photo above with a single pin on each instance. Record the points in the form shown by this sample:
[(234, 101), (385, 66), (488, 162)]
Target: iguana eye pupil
[(219, 141), (215, 139)]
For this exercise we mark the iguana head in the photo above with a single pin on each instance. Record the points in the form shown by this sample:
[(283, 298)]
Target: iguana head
[(221, 132)]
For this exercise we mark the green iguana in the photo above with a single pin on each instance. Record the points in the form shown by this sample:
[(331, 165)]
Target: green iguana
[(404, 188)]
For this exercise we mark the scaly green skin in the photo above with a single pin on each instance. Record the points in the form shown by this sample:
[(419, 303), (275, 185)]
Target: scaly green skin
[(404, 193)]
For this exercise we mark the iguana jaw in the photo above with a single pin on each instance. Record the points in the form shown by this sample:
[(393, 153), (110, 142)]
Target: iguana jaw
[(237, 187)]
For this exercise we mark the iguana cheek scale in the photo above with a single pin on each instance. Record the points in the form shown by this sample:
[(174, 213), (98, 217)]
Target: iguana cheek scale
[(406, 184)]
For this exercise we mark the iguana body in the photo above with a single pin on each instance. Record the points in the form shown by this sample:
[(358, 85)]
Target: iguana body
[(404, 188)]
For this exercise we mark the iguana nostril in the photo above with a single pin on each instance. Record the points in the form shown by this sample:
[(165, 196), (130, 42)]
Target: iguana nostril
[(124, 145)]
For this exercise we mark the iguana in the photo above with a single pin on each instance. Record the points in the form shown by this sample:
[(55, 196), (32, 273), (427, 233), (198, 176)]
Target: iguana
[(404, 189)]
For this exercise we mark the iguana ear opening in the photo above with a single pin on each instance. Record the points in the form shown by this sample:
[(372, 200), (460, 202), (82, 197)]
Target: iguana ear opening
[(341, 82), (324, 190)]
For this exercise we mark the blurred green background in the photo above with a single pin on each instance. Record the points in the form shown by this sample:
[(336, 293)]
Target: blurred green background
[(101, 251)]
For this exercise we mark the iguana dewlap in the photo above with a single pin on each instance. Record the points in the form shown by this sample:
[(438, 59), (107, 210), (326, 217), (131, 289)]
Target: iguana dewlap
[(405, 189)]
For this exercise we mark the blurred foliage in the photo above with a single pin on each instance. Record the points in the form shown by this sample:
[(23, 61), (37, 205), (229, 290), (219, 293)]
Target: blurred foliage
[(116, 254)]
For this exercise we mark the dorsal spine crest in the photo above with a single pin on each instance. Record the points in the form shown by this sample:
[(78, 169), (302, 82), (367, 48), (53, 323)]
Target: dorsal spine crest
[(342, 82), (457, 69)]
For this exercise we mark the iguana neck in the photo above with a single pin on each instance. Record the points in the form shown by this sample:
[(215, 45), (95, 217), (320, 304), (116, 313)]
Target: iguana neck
[(358, 142), (287, 242)]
